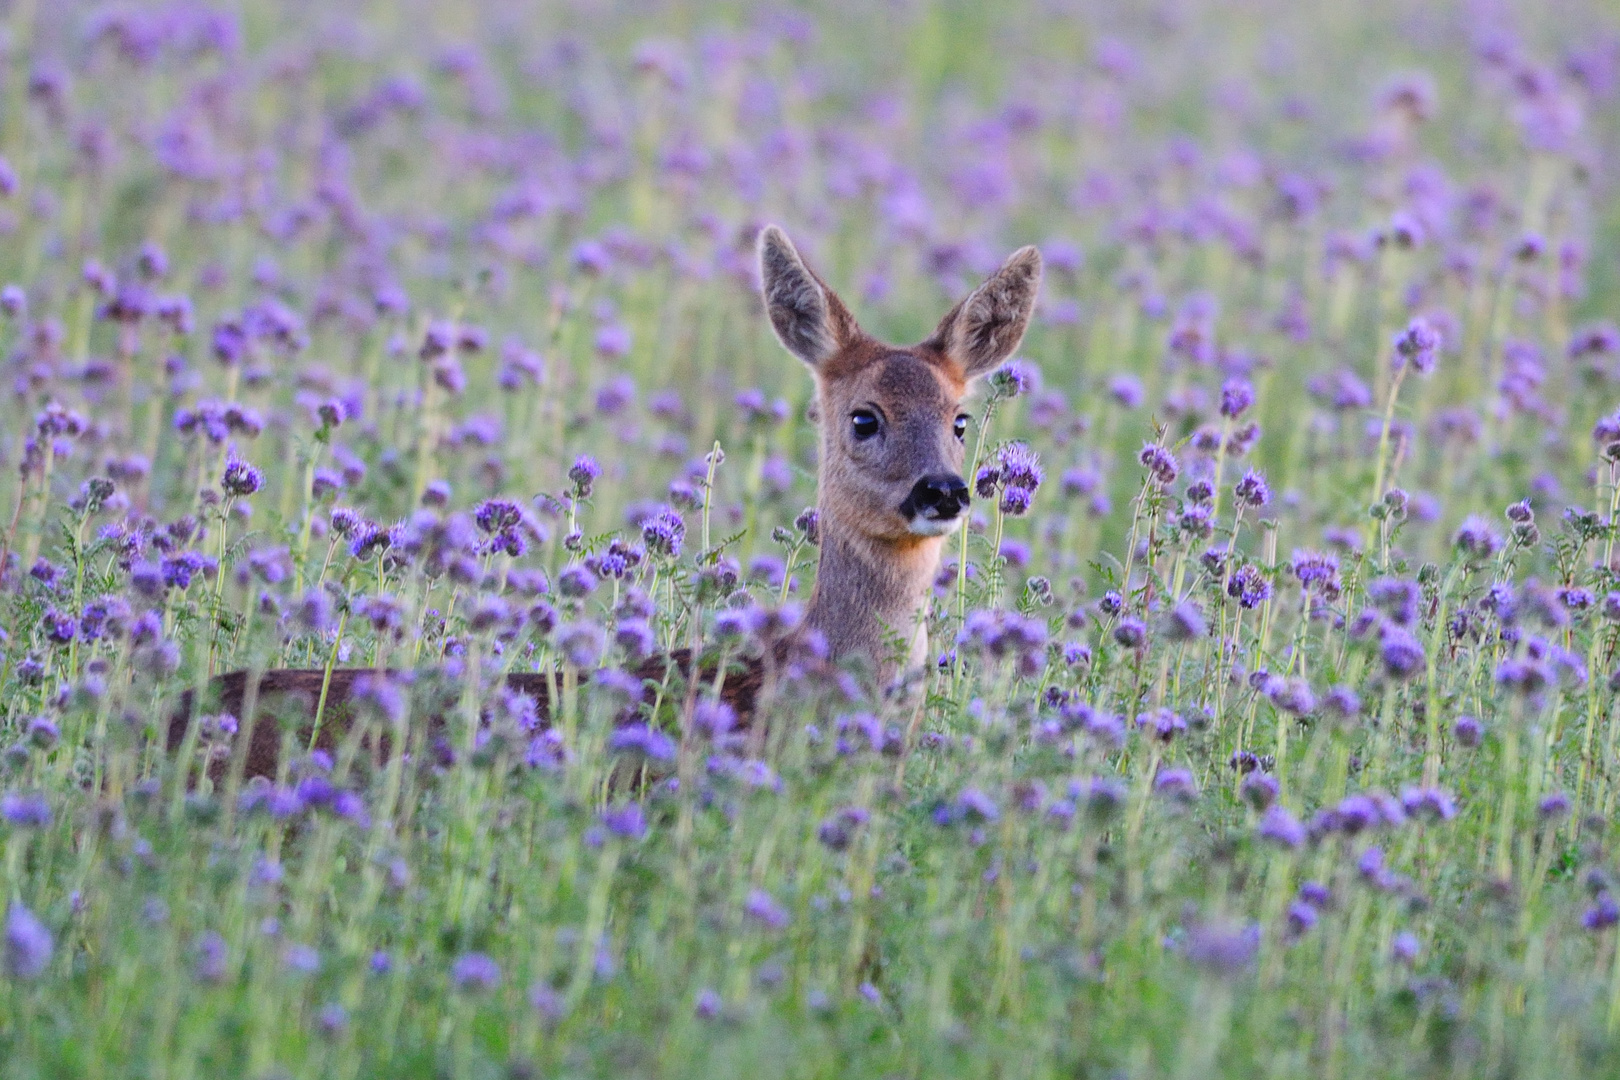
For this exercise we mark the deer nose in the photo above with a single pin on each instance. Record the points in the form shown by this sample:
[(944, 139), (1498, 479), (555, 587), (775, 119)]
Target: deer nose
[(938, 498)]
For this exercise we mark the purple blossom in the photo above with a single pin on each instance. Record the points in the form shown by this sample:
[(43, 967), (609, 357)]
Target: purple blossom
[(1478, 539), (1248, 586), (1418, 345), (1280, 827), (475, 972), (664, 532), (643, 741), (627, 821), (1175, 784), (28, 943), (1252, 490), (764, 909), (240, 479), (1236, 397), (25, 810), (1603, 914), (1161, 465), (975, 805)]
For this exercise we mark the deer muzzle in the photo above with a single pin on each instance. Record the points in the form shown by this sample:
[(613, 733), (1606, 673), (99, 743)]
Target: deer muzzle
[(936, 504)]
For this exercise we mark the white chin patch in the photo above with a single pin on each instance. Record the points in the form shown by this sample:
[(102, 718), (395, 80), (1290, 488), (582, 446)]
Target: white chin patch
[(921, 526)]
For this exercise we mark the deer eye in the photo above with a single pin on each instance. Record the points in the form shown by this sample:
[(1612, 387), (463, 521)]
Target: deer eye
[(863, 423), (960, 427)]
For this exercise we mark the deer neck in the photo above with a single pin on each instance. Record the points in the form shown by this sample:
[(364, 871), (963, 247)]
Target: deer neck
[(870, 594)]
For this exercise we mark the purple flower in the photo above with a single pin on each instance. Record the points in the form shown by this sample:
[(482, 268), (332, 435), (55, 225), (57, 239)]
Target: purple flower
[(1131, 632), (1259, 790), (1015, 502), (713, 718), (664, 532), (60, 627), (1342, 702), (212, 958), (1222, 949), (28, 943), (475, 972), (1405, 947), (1467, 731), (1477, 539), (591, 257), (1013, 378), (1318, 572), (1292, 696), (627, 821), (584, 473), (1186, 622), (1161, 465), (838, 830), (494, 515), (1020, 466), (240, 479), (1249, 587), (581, 644), (764, 909), (332, 1019), (301, 959), (1236, 397), (1602, 915), (1418, 345), (1177, 785), (1432, 803), (1126, 390), (1252, 490), (614, 340), (1402, 654), (1280, 827), (25, 810), (975, 805), (641, 740)]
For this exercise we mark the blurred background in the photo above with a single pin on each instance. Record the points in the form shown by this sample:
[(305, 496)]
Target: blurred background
[(581, 183)]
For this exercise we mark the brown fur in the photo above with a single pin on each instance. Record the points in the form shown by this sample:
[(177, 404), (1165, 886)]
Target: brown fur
[(878, 562), (294, 693)]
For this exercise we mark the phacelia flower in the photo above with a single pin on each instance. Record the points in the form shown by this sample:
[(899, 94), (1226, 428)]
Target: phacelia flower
[(1418, 345), (240, 479)]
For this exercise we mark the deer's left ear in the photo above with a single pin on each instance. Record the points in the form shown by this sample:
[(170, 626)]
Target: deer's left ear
[(986, 328)]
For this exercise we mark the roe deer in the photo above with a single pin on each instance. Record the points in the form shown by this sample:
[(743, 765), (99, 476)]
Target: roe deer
[(890, 489)]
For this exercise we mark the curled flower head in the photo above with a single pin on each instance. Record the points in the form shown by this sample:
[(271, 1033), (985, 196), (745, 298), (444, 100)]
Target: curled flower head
[(1161, 465), (1252, 490), (1417, 345), (240, 479), (1236, 396), (584, 473), (664, 532)]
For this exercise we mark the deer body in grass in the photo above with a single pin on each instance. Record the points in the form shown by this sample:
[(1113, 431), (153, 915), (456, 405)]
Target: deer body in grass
[(890, 490)]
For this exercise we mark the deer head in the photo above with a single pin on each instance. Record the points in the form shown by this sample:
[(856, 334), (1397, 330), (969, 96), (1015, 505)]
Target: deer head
[(892, 431)]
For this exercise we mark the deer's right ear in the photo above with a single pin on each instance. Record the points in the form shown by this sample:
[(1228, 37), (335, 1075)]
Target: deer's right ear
[(809, 319), (987, 327)]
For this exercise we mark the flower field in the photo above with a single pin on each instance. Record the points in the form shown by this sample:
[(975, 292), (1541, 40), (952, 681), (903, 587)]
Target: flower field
[(1269, 723)]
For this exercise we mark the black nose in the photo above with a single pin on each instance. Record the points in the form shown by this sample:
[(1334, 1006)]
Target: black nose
[(939, 498)]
